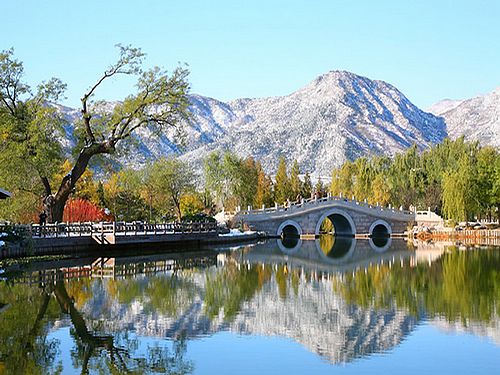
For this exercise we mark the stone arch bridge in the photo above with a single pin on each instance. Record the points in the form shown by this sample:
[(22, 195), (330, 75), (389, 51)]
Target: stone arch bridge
[(349, 218)]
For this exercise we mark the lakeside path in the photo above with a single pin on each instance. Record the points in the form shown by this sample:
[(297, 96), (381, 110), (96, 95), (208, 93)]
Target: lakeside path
[(85, 238)]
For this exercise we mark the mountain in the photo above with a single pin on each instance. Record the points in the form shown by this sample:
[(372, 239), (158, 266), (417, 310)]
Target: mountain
[(337, 116), (477, 119)]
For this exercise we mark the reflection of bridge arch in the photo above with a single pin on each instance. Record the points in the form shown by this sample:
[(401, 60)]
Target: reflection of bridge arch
[(341, 220), (341, 249), (289, 246), (380, 228), (289, 227), (380, 244)]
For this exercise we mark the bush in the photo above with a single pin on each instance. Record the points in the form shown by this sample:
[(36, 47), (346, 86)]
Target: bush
[(199, 217)]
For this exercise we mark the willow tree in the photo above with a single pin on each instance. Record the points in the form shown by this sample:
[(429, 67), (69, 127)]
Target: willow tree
[(460, 191), (159, 103)]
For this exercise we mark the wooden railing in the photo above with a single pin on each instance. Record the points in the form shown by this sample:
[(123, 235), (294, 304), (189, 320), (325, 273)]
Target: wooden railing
[(105, 228), (306, 203)]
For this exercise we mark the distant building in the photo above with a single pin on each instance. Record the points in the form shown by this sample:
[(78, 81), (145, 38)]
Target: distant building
[(428, 219), (4, 194)]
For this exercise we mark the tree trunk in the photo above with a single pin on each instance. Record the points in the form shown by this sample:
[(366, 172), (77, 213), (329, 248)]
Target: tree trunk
[(54, 203)]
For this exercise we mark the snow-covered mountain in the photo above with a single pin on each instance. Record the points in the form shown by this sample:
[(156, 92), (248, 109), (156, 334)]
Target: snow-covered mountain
[(337, 116), (476, 119)]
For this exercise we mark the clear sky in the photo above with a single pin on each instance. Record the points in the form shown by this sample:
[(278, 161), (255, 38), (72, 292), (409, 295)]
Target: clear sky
[(430, 50)]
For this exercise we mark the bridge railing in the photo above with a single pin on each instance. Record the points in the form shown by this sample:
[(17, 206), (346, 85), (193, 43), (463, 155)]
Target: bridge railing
[(89, 229), (305, 203)]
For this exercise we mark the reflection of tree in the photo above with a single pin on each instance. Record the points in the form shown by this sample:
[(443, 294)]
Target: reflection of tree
[(230, 286), (326, 243), (91, 347), (24, 347), (461, 285), (281, 280), (160, 294)]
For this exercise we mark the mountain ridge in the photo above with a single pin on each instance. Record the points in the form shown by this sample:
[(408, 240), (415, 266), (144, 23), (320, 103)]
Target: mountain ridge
[(337, 116)]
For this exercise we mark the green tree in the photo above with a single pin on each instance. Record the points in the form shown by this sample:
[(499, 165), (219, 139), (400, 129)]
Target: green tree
[(28, 132), (319, 188), (122, 193), (282, 187), (380, 190), (216, 180), (459, 192), (364, 176), (170, 179), (295, 182), (307, 186), (487, 160), (160, 103), (343, 180)]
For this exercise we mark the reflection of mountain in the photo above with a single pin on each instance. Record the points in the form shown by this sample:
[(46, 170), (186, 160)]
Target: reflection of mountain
[(307, 310), (322, 322), (490, 330)]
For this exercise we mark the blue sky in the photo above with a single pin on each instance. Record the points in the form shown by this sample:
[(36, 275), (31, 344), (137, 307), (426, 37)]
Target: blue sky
[(430, 50)]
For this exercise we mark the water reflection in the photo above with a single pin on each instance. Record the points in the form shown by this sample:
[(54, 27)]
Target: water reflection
[(380, 244), (336, 247), (341, 298), (289, 244)]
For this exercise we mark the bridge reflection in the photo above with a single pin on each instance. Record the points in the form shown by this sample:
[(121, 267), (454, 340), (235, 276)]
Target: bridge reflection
[(330, 254)]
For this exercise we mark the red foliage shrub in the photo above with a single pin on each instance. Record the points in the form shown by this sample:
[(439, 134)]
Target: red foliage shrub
[(83, 210)]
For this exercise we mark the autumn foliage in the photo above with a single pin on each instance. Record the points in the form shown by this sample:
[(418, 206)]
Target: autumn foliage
[(83, 210)]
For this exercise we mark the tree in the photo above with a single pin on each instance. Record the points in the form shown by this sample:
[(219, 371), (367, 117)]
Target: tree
[(244, 177), (343, 180), (122, 192), (319, 188), (171, 179), (233, 181), (28, 132), (160, 103), (485, 179), (282, 186), (295, 182), (381, 191), (86, 188), (459, 192), (192, 204), (307, 186), (362, 187), (264, 192), (216, 179)]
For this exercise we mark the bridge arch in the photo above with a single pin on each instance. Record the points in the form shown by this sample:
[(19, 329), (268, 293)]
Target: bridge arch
[(341, 220), (380, 228), (290, 228)]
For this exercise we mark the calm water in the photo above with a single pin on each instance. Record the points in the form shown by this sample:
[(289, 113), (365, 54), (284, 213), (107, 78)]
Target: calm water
[(322, 306)]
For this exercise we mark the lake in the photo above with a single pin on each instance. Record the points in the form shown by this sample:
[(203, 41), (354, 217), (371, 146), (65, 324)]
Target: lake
[(327, 305)]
